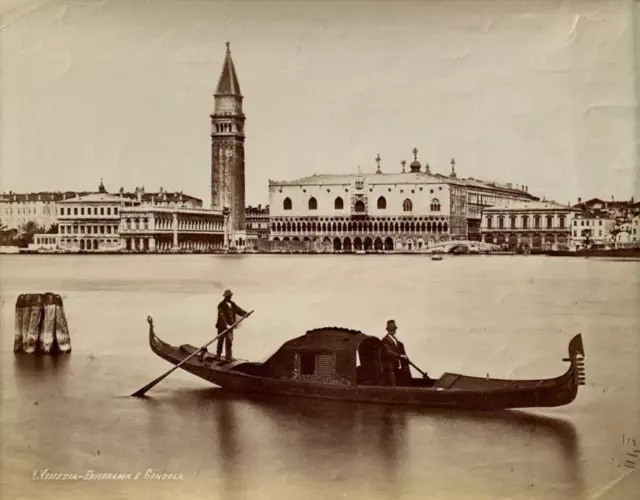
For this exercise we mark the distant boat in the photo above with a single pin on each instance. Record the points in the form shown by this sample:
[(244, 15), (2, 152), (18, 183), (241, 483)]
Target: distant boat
[(436, 257), (322, 364)]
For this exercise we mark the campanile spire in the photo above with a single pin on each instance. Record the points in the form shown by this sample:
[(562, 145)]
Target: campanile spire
[(227, 146)]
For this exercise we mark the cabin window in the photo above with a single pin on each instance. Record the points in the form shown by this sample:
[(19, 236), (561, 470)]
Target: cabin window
[(307, 364), (316, 366)]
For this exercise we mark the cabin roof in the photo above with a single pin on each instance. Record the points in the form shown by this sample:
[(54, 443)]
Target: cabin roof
[(327, 338)]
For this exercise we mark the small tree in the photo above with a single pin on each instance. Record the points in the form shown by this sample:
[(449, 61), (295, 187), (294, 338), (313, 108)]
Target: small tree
[(53, 229), (26, 233)]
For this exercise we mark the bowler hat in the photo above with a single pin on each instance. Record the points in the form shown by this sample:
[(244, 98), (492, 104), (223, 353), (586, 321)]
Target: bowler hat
[(391, 326), (227, 293)]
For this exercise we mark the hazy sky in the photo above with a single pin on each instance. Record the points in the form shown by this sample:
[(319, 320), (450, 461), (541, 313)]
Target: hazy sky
[(531, 92)]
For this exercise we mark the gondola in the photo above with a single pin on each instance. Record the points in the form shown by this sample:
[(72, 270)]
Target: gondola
[(323, 363)]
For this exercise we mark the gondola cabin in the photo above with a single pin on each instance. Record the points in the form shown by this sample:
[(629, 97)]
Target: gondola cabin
[(329, 355)]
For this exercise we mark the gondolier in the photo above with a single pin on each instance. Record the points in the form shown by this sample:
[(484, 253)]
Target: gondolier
[(227, 311), (394, 356)]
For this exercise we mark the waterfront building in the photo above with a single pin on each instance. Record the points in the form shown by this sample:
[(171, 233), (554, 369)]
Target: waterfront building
[(589, 229), (368, 211), (18, 209), (150, 228), (407, 211), (227, 151), (483, 194), (90, 223), (257, 225), (528, 224), (44, 242)]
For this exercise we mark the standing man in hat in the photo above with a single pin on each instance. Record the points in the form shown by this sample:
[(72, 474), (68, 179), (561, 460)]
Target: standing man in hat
[(227, 311), (394, 357)]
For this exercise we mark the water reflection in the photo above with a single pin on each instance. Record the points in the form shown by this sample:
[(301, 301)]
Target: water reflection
[(40, 369), (374, 448)]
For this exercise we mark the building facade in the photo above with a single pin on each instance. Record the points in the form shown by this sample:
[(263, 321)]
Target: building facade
[(588, 229), (407, 211), (367, 212), (18, 209), (535, 225), (257, 224), (484, 194), (90, 223), (156, 229), (227, 147)]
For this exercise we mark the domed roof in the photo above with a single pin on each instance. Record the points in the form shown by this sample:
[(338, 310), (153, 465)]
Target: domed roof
[(415, 164)]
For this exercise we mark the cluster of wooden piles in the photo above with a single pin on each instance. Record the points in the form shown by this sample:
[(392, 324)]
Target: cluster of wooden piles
[(41, 324)]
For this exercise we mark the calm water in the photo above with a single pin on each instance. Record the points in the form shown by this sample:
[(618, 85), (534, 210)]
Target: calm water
[(506, 316)]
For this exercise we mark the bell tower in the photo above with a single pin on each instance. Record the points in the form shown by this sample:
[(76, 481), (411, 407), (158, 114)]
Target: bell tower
[(227, 147)]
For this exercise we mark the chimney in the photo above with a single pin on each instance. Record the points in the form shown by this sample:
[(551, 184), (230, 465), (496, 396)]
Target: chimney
[(579, 200), (121, 191)]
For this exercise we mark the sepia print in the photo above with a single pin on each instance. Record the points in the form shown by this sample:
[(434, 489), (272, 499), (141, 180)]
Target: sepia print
[(318, 249)]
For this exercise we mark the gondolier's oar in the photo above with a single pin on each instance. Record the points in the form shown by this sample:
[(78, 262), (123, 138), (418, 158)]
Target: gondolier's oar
[(421, 372), (141, 392)]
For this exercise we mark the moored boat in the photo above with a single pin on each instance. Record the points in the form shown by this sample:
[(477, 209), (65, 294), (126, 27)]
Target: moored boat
[(323, 363)]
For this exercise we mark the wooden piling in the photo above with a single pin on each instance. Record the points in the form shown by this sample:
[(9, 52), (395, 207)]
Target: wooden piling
[(62, 328), (41, 325), (34, 326), (48, 334), (17, 342)]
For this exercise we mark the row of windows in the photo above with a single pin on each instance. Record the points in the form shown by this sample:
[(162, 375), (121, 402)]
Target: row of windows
[(338, 204), (575, 233), (525, 222), (89, 211), (587, 223), (27, 210), (360, 226), (88, 229), (224, 127)]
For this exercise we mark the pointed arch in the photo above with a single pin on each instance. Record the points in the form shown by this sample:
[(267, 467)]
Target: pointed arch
[(407, 205), (338, 204), (313, 203), (286, 204), (382, 203)]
